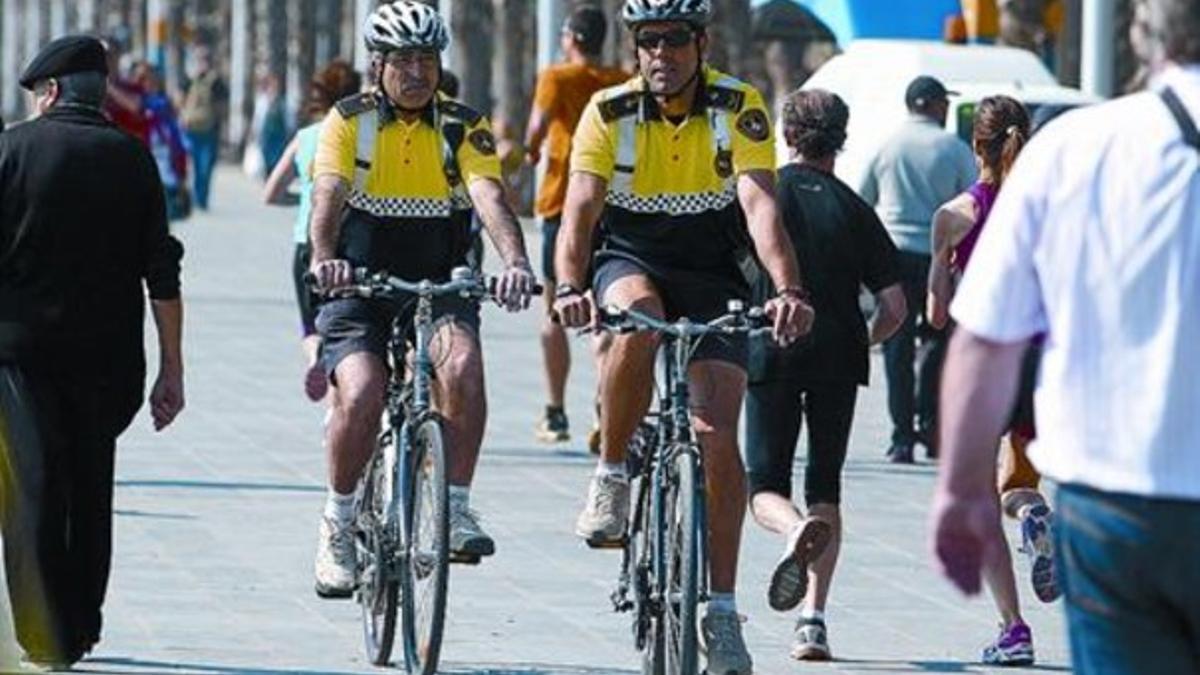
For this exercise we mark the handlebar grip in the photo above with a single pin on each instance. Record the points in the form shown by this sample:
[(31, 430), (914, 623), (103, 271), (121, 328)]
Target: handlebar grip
[(492, 282)]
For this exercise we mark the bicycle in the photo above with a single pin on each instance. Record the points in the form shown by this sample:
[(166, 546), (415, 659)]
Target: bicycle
[(402, 513), (663, 573)]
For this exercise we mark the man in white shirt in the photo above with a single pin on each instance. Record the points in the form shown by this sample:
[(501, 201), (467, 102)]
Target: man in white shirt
[(1095, 239)]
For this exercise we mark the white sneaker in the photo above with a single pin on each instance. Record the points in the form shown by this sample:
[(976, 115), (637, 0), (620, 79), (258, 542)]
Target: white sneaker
[(789, 580), (811, 641), (468, 541), (335, 559), (724, 646), (606, 515)]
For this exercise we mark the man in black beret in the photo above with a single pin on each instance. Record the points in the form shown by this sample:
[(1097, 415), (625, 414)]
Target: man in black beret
[(83, 238)]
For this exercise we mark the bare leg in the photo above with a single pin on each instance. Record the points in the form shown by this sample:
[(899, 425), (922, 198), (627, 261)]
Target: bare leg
[(460, 398), (717, 391), (628, 374), (820, 572), (1002, 583), (354, 419), (556, 355)]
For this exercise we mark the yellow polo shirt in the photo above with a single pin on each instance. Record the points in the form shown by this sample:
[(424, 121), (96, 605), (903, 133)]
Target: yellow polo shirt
[(676, 164), (406, 178)]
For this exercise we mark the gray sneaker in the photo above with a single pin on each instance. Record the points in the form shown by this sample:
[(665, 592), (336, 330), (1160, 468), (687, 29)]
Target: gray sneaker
[(724, 646), (335, 559), (468, 541), (607, 512), (811, 641), (789, 580)]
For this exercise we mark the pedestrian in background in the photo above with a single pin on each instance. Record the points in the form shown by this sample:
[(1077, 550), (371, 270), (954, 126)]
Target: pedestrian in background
[(841, 246), (124, 103), (1094, 241), (335, 82), (1000, 130), (205, 102), (562, 92), (269, 127), (919, 168), (166, 140), (83, 232)]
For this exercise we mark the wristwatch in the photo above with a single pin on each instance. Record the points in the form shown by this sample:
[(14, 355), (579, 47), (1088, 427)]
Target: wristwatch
[(796, 292), (565, 290)]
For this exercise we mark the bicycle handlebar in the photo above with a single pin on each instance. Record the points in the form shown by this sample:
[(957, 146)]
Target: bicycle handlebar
[(367, 284), (751, 321)]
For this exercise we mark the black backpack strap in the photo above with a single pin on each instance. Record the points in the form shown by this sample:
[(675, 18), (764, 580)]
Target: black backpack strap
[(1191, 135)]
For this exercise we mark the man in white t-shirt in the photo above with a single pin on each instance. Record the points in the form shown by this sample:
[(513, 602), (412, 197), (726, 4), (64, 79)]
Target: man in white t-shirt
[(1095, 239)]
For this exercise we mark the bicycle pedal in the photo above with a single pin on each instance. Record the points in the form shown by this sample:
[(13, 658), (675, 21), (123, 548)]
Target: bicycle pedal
[(606, 543), (464, 559)]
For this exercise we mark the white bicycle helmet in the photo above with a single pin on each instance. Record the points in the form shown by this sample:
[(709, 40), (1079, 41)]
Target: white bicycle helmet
[(405, 25), (695, 12)]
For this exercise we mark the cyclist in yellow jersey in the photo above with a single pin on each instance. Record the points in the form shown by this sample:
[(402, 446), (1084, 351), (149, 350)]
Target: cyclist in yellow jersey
[(664, 162), (396, 173)]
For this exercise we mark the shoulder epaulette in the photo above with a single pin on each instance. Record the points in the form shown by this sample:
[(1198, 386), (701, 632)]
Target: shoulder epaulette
[(727, 99), (620, 106), (459, 112), (355, 105)]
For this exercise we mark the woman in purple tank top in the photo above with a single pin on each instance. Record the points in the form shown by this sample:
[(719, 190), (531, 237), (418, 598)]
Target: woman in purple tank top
[(1000, 131)]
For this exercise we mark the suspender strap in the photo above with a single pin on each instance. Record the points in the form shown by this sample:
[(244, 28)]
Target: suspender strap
[(1191, 135), (364, 154)]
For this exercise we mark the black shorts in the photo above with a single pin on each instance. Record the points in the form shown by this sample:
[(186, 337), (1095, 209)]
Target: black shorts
[(696, 295), (306, 300), (353, 325), (549, 240), (775, 411)]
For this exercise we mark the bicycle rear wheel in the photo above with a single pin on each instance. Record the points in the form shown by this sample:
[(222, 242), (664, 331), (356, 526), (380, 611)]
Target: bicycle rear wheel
[(682, 585), (378, 587), (426, 572)]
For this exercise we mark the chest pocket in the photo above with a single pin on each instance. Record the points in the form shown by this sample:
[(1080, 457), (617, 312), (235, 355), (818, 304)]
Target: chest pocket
[(450, 130), (630, 113)]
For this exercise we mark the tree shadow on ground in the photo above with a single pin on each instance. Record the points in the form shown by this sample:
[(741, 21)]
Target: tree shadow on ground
[(869, 666), (133, 666)]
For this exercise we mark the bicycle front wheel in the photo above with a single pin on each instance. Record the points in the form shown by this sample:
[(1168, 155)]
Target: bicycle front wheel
[(427, 539), (682, 587), (378, 588)]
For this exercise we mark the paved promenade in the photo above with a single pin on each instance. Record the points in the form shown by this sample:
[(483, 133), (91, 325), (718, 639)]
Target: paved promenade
[(216, 517)]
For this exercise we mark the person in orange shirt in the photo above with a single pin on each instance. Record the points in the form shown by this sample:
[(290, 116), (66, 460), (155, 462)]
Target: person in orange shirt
[(562, 92)]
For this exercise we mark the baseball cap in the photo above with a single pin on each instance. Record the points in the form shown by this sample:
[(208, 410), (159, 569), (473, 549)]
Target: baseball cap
[(924, 90)]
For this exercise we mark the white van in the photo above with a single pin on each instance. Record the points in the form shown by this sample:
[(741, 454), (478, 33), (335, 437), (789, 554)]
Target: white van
[(872, 75)]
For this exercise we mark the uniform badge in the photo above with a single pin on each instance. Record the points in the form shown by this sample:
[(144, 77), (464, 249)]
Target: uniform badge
[(754, 125), (724, 164), (483, 141)]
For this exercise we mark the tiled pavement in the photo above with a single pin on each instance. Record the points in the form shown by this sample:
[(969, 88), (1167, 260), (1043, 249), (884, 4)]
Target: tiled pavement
[(216, 517)]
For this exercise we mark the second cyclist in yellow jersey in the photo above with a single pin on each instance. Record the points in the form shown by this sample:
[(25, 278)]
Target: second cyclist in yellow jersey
[(666, 164)]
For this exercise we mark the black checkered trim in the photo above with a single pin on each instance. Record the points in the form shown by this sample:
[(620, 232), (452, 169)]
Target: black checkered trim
[(672, 204), (406, 207)]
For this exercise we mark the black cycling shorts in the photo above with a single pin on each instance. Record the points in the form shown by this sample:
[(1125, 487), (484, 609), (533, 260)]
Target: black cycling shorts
[(775, 411), (354, 325), (696, 295)]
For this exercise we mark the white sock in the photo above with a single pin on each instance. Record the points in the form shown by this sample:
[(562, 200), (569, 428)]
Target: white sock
[(613, 469), (722, 602), (339, 508), (460, 493), (812, 614)]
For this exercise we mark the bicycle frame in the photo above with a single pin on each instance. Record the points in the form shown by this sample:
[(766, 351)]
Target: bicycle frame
[(676, 435)]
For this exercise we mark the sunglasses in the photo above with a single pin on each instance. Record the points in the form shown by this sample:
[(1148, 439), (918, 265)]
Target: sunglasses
[(674, 39), (406, 57)]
